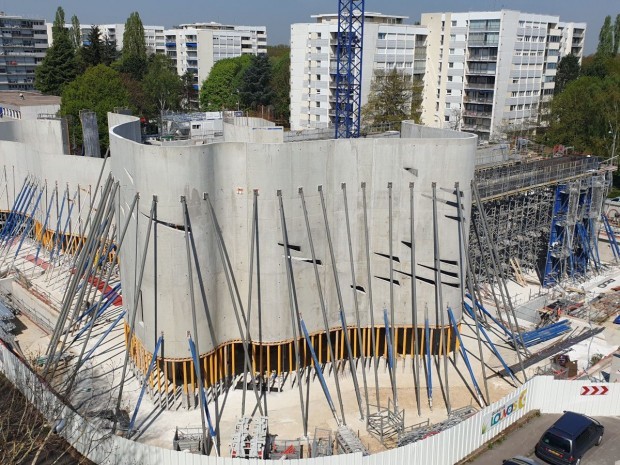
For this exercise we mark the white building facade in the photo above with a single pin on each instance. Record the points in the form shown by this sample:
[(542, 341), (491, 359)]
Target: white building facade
[(23, 44), (197, 47), (491, 71), (388, 43), (153, 35)]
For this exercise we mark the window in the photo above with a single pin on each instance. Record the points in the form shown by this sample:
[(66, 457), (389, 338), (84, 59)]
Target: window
[(513, 107), (453, 23), (446, 118), (449, 78), (448, 105), (451, 51), (450, 65)]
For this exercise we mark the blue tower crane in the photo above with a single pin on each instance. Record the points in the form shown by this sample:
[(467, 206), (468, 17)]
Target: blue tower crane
[(349, 68)]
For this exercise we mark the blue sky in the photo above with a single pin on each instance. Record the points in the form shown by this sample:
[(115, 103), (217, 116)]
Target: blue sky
[(277, 15)]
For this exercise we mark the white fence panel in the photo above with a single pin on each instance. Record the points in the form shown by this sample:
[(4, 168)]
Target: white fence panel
[(447, 447)]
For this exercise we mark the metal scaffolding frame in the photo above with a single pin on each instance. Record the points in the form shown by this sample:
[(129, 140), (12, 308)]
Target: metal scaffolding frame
[(543, 217)]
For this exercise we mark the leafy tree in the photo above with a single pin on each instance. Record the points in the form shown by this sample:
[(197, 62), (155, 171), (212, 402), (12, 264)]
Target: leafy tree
[(109, 53), (568, 70), (162, 85), (92, 52), (417, 90), (133, 58), (189, 101), (220, 91), (76, 32), (59, 67), (389, 100), (617, 35), (99, 89), (58, 27), (281, 87), (278, 51), (586, 114), (255, 87), (606, 39)]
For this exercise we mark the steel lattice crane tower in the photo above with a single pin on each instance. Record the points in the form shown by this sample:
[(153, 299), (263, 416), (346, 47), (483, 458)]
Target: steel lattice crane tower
[(349, 68)]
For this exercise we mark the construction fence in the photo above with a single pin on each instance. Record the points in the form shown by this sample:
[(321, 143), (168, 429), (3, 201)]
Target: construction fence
[(446, 447)]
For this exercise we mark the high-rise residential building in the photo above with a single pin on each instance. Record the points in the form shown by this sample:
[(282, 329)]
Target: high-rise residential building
[(197, 47), (491, 71), (23, 43), (153, 35), (388, 43)]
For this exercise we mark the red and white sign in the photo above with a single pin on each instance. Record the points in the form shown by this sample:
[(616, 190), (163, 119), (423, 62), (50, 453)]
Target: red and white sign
[(594, 390)]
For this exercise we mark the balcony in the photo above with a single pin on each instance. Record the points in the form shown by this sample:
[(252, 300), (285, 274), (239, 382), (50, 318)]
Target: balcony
[(478, 99), (482, 43), (478, 114), (482, 58), (481, 72), (475, 127)]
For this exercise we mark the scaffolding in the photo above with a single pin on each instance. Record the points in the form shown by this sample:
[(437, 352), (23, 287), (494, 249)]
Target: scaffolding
[(543, 217)]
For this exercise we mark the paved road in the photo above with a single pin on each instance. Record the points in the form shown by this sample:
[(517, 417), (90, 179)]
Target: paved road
[(523, 440)]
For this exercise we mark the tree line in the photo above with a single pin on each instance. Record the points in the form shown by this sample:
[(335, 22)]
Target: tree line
[(585, 110)]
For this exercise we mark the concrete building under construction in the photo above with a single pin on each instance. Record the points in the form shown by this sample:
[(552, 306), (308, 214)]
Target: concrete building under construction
[(252, 261)]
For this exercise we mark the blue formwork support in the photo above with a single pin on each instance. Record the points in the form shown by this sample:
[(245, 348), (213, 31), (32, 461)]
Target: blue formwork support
[(146, 381), (464, 353), (58, 223), (64, 230), (487, 313), (594, 244), (469, 310), (111, 295), (555, 265), (192, 348), (9, 219), (47, 216), (318, 369), (615, 248), (388, 338), (30, 221), (349, 52), (429, 366), (20, 212), (112, 326)]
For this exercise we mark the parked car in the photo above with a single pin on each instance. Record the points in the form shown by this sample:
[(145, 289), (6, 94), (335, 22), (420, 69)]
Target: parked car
[(569, 438), (520, 460)]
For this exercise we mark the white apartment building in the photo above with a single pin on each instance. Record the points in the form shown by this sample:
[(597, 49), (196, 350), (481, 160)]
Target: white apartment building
[(153, 35), (23, 44), (388, 43), (488, 71), (197, 47)]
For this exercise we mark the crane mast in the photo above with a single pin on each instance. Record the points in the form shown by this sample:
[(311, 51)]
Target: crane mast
[(349, 68)]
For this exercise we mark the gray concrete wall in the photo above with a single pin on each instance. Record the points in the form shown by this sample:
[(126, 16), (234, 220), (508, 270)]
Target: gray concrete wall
[(229, 172), (24, 151), (45, 135)]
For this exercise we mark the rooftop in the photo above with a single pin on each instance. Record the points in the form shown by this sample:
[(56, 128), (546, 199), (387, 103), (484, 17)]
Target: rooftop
[(30, 99)]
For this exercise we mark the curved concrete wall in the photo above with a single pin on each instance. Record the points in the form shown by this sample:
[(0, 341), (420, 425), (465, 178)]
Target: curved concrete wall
[(34, 148), (229, 172)]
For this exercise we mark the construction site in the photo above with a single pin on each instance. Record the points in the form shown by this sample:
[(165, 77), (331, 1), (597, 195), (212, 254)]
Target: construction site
[(251, 293)]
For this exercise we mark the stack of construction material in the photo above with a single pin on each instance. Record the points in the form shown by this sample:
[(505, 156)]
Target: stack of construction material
[(546, 333), (6, 325)]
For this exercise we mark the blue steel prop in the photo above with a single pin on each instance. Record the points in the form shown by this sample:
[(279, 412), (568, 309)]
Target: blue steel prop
[(319, 370), (429, 374), (114, 323), (470, 312), (464, 354), (47, 216), (192, 348), (144, 384), (58, 223), (19, 214), (29, 222), (9, 218), (388, 338)]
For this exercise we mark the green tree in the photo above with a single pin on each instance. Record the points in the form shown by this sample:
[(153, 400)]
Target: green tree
[(586, 115), (133, 58), (58, 27), (59, 67), (162, 85), (617, 35), (278, 51), (255, 87), (76, 32), (99, 89), (606, 39), (568, 70), (189, 101), (92, 52), (109, 52), (281, 86), (389, 100), (417, 91), (220, 91)]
